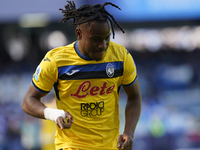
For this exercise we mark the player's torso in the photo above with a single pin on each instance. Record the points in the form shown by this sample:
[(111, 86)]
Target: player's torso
[(89, 83), (89, 90)]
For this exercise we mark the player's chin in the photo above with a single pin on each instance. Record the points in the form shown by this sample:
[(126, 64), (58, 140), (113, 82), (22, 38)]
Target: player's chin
[(98, 56)]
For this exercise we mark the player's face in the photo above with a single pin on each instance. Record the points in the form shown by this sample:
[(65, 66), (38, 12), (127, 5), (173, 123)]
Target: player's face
[(93, 39)]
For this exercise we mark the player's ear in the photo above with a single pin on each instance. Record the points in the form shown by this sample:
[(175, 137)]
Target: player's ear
[(78, 33)]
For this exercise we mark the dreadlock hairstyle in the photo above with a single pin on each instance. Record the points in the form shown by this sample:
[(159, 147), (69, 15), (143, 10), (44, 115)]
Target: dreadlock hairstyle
[(87, 13)]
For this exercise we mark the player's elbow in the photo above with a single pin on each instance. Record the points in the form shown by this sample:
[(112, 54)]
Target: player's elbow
[(24, 105)]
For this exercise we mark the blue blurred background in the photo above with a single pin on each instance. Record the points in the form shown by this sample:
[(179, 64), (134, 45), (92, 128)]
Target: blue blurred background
[(163, 37)]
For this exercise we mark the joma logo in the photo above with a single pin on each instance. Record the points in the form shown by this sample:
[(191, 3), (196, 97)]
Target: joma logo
[(85, 89)]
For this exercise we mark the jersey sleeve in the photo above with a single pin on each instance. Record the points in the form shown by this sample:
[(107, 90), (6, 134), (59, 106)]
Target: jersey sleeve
[(45, 75), (130, 72)]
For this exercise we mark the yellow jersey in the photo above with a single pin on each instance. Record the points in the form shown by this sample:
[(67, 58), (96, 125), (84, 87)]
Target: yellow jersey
[(89, 90)]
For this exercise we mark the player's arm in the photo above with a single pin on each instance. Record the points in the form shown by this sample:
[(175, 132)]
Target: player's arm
[(132, 114), (31, 103), (33, 106), (133, 108)]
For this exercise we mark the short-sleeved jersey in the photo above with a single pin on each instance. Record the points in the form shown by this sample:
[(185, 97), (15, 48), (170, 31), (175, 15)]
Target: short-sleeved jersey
[(89, 90)]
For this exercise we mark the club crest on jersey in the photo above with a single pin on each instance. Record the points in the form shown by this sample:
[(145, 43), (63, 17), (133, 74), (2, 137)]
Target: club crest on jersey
[(110, 71)]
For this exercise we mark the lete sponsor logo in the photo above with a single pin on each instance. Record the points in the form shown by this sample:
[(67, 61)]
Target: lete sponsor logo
[(86, 89)]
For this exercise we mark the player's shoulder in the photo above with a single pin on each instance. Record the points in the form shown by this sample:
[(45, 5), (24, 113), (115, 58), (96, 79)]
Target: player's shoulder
[(61, 51), (114, 45), (118, 49)]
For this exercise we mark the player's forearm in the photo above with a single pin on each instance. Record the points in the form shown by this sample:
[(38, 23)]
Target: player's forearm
[(33, 107), (132, 114)]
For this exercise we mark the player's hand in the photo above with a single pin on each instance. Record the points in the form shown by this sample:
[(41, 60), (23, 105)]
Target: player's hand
[(124, 142), (61, 122)]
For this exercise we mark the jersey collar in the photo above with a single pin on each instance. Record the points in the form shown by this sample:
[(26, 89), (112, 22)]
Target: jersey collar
[(79, 53)]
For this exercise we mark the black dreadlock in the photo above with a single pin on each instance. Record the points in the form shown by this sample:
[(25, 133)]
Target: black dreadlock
[(87, 13)]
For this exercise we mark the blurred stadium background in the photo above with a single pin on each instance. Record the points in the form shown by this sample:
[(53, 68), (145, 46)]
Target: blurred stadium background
[(163, 37)]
